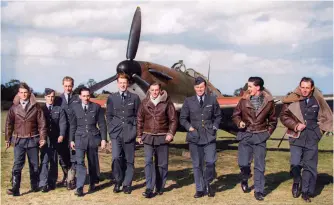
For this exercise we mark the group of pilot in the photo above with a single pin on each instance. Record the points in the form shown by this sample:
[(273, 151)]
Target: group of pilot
[(68, 127)]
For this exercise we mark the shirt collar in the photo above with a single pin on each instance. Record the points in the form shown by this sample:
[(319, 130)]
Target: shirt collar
[(125, 93), (203, 96), (66, 95), (24, 102)]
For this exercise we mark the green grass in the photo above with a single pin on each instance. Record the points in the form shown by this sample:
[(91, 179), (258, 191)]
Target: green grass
[(180, 186)]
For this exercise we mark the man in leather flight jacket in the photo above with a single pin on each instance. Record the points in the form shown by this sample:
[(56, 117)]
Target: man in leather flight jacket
[(156, 127), (306, 115), (25, 128), (255, 117)]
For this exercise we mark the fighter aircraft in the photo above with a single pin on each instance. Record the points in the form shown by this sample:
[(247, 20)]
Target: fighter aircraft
[(178, 81)]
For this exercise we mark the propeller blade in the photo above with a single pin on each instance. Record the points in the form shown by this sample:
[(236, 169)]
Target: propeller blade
[(134, 35), (141, 82), (103, 83), (159, 74)]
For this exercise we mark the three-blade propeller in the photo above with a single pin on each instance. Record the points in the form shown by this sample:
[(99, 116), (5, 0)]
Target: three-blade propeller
[(130, 67)]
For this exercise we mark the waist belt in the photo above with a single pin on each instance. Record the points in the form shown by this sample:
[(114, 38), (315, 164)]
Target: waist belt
[(27, 136)]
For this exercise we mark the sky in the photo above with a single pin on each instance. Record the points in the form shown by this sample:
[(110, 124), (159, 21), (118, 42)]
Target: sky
[(280, 41)]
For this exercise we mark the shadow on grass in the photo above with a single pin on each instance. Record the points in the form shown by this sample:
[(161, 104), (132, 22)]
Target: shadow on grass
[(182, 178), (273, 180), (226, 182), (322, 181), (138, 176)]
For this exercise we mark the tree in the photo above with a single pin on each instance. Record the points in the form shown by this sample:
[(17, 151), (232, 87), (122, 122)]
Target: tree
[(9, 90)]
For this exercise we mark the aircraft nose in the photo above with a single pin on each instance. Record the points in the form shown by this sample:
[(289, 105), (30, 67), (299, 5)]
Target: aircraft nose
[(129, 67)]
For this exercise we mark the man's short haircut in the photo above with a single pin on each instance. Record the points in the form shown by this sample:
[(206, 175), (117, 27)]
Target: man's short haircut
[(23, 85), (48, 91), (123, 76), (257, 81), (156, 83), (68, 78), (307, 79), (200, 80), (84, 89)]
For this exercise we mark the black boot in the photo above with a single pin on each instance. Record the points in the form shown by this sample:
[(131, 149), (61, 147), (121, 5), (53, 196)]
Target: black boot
[(245, 174), (295, 190), (34, 177), (16, 181), (244, 186)]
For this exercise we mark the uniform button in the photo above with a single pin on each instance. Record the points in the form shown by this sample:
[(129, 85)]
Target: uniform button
[(85, 119), (122, 111)]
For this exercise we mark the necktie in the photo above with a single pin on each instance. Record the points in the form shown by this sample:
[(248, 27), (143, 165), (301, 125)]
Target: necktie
[(201, 101), (68, 98), (306, 101), (123, 97), (50, 108), (85, 108)]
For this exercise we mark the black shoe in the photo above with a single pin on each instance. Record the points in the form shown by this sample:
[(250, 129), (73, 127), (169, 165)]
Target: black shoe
[(45, 188), (91, 188), (148, 193), (52, 186), (295, 190), (244, 186), (306, 197), (199, 194), (258, 196), (127, 189), (34, 188), (13, 192), (210, 191), (79, 192), (117, 188), (16, 181)]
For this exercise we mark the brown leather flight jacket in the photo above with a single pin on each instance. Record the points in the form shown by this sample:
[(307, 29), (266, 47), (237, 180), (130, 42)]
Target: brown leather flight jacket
[(25, 123), (291, 114), (264, 119), (157, 119)]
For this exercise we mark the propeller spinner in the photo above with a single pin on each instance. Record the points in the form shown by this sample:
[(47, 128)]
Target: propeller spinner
[(130, 67)]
